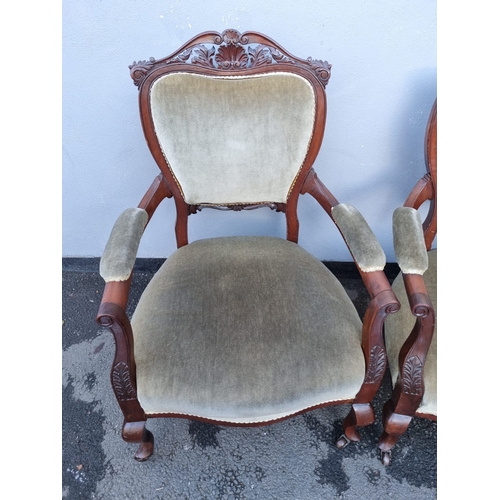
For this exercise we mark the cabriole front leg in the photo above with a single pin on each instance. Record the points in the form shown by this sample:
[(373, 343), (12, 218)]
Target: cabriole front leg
[(409, 389), (362, 413), (123, 380)]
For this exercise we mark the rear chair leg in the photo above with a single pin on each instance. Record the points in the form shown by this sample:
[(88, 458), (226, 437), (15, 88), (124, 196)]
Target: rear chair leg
[(136, 432)]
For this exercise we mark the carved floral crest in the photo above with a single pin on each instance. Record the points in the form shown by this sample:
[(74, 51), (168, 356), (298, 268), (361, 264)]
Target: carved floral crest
[(235, 51)]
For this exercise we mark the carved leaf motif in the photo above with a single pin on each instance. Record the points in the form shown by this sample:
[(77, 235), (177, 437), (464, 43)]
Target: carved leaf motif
[(122, 383), (259, 56), (321, 68), (203, 56), (231, 57), (412, 376), (376, 368), (183, 57), (279, 57), (139, 70)]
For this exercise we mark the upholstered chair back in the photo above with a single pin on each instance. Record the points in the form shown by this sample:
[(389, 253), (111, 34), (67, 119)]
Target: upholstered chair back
[(234, 139), (234, 121)]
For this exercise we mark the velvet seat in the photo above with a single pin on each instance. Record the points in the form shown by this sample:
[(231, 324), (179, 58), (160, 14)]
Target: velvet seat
[(244, 330), (223, 339)]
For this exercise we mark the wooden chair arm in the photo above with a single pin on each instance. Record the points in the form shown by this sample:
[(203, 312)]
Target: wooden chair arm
[(375, 281), (157, 192), (425, 190), (418, 297), (117, 292)]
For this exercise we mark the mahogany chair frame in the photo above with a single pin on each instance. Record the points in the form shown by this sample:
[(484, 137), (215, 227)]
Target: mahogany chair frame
[(232, 53), (409, 388)]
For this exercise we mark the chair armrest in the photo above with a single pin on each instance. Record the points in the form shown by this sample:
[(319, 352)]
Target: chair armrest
[(362, 243), (119, 255), (409, 243)]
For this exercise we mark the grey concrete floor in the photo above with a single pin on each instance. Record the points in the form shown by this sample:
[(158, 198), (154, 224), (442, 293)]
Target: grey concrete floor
[(294, 459)]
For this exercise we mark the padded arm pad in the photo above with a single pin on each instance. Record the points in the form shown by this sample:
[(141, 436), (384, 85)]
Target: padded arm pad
[(409, 243), (118, 258), (362, 243)]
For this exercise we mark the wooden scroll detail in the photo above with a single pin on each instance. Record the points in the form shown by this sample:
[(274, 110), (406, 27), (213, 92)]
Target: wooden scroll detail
[(139, 70), (231, 37), (321, 68), (230, 51), (123, 380)]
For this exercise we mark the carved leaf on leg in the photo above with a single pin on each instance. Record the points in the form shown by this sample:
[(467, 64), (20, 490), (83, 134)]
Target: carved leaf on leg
[(122, 383), (412, 376), (376, 368)]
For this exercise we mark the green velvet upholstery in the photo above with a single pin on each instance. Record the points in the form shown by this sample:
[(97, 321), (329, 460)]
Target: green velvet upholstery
[(398, 327), (409, 243), (360, 239), (119, 255), (252, 132), (245, 329)]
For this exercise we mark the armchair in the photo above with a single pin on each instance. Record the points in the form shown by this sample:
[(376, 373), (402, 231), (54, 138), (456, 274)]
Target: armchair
[(245, 330), (411, 334)]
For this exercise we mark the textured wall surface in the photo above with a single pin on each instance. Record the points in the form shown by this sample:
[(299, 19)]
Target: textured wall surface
[(383, 84)]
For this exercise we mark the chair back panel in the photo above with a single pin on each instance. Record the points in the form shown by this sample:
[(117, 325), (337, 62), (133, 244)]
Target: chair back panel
[(233, 139), (233, 121)]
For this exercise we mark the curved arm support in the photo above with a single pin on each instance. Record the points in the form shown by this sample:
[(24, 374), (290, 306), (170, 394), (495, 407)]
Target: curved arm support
[(409, 389), (123, 378), (362, 243), (424, 190), (374, 279), (361, 413), (112, 310), (157, 192), (119, 255), (319, 192), (383, 304), (414, 350)]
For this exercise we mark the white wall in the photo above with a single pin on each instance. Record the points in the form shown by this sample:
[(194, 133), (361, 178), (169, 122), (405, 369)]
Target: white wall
[(383, 84)]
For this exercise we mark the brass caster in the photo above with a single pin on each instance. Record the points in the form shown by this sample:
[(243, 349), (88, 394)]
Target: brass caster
[(386, 457), (342, 442)]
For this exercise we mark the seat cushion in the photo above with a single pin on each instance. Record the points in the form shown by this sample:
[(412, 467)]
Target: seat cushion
[(245, 329), (399, 326)]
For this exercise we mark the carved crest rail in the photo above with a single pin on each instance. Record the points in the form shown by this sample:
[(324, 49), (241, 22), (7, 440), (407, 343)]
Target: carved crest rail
[(230, 51)]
